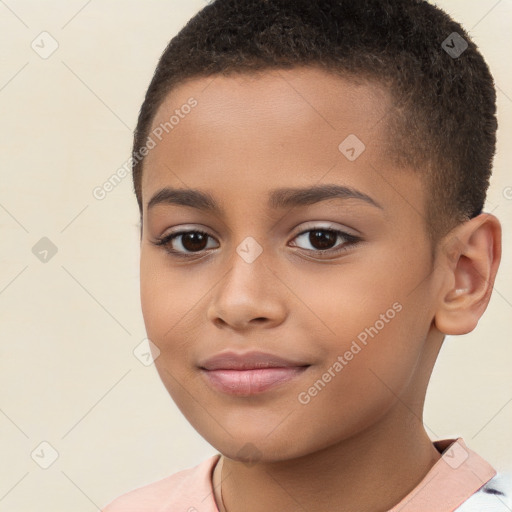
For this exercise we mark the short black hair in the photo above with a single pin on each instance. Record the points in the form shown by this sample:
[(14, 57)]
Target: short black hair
[(443, 121)]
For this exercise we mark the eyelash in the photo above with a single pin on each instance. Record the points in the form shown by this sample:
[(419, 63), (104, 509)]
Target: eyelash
[(351, 241)]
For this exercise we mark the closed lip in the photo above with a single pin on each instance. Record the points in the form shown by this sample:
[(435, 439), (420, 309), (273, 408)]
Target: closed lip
[(252, 360)]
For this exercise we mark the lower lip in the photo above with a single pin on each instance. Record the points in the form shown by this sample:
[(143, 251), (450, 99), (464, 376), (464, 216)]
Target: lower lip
[(251, 382)]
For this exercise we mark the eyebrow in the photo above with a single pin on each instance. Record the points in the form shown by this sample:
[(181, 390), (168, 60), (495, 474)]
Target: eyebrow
[(278, 198)]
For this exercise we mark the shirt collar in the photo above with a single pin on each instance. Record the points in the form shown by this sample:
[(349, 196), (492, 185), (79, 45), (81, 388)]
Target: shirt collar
[(456, 476)]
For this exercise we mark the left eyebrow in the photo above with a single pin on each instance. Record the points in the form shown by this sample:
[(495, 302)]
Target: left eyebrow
[(290, 197), (278, 198)]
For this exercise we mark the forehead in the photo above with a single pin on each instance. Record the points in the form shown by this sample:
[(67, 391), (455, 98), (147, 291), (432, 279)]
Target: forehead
[(253, 132), (290, 88), (279, 99)]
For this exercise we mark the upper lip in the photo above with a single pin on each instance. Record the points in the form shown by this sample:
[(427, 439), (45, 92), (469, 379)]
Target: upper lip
[(247, 361)]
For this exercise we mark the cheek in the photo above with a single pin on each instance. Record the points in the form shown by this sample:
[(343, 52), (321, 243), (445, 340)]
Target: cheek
[(167, 296), (163, 310), (368, 365), (172, 303), (155, 304), (368, 327), (167, 312), (340, 302)]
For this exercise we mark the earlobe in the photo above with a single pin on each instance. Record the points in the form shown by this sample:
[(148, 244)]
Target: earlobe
[(469, 261)]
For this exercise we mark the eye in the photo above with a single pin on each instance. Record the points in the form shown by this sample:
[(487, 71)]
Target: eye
[(184, 243), (323, 240)]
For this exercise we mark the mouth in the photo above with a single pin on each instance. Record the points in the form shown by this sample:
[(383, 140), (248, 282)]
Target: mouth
[(251, 381), (249, 373)]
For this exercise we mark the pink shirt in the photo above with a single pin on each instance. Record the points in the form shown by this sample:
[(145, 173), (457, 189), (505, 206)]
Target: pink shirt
[(455, 477)]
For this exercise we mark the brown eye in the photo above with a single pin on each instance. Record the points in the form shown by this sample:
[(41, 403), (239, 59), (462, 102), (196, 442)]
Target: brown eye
[(194, 241), (184, 243), (323, 240)]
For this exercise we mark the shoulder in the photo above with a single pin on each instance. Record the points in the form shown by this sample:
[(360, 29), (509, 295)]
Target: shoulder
[(184, 488)]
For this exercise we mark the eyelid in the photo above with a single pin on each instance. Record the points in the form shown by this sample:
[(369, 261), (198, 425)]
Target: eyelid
[(312, 225)]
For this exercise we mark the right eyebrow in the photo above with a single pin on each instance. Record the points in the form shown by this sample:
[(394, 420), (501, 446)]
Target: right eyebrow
[(186, 197)]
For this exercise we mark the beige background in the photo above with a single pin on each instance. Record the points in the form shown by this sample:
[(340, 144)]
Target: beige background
[(68, 327)]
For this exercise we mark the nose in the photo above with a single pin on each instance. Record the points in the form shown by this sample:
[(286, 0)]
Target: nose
[(248, 296)]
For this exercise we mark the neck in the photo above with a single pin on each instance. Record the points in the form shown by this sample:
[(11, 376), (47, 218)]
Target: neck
[(370, 472)]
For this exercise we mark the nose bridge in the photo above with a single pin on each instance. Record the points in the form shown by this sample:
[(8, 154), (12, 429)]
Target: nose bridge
[(247, 279), (246, 292)]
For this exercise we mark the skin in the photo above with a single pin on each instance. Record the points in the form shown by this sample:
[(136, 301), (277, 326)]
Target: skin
[(360, 443)]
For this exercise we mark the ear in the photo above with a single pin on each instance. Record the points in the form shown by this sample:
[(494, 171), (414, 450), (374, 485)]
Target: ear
[(470, 257)]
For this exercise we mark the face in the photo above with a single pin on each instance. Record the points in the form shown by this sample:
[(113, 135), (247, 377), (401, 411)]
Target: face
[(276, 259)]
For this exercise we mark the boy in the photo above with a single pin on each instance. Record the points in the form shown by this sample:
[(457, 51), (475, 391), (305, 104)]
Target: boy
[(311, 176)]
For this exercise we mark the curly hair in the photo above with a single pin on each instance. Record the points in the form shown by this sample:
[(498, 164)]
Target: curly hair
[(443, 121)]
